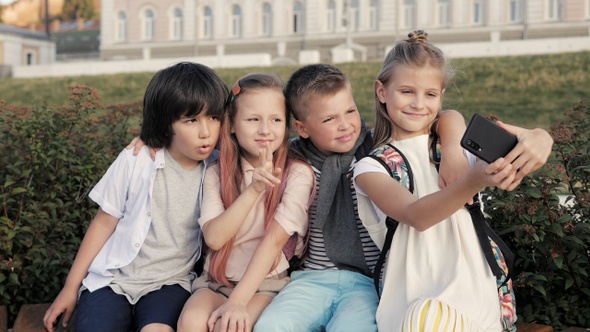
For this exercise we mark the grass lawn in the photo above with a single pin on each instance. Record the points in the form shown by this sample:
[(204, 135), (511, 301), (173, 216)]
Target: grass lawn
[(531, 91)]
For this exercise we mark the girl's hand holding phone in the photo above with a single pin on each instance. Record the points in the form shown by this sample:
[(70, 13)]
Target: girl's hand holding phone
[(500, 173)]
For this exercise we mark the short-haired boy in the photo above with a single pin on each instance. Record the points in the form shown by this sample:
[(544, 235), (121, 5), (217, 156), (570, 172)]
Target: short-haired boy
[(333, 289), (135, 265)]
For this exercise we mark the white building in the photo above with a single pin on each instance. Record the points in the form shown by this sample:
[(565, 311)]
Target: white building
[(300, 31), (21, 47)]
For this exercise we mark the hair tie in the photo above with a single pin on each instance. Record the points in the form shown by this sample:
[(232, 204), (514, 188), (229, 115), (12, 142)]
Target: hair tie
[(235, 90)]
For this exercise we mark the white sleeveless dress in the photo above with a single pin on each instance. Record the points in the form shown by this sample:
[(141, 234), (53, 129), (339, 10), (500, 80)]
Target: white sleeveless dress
[(437, 280)]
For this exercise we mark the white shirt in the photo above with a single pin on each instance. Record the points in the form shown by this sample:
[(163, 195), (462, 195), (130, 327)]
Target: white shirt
[(445, 263), (125, 192)]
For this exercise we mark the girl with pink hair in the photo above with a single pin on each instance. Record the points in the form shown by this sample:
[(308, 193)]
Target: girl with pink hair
[(254, 201)]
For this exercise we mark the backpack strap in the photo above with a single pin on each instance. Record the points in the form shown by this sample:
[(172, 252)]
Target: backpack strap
[(485, 234), (398, 168), (365, 148)]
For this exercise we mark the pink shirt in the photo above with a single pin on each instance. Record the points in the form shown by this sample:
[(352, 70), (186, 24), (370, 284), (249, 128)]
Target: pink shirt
[(291, 214)]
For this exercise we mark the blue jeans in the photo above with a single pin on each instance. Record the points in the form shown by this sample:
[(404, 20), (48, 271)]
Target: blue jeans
[(334, 300), (105, 310)]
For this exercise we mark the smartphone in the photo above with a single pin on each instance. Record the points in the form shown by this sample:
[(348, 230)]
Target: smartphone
[(486, 140)]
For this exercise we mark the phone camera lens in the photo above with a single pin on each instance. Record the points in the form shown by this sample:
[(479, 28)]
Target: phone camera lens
[(473, 145)]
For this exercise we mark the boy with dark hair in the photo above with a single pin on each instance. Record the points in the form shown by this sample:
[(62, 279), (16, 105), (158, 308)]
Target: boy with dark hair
[(140, 249)]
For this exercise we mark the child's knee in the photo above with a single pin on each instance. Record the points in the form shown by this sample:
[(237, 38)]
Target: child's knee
[(287, 319), (192, 320), (157, 327), (365, 323), (263, 325), (273, 323)]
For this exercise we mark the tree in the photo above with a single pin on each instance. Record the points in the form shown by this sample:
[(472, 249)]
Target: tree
[(75, 9)]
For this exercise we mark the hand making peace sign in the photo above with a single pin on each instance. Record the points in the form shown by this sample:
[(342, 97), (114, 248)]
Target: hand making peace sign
[(265, 176)]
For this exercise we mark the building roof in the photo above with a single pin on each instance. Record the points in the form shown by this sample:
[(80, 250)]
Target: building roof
[(86, 25), (8, 29)]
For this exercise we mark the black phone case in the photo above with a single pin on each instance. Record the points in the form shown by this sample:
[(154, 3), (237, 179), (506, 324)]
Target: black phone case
[(486, 140)]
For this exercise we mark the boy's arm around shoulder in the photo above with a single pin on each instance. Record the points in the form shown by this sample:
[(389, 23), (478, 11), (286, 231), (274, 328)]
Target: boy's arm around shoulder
[(533, 148), (137, 145), (101, 228), (530, 153)]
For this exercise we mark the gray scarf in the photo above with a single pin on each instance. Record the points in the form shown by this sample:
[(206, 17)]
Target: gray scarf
[(335, 214)]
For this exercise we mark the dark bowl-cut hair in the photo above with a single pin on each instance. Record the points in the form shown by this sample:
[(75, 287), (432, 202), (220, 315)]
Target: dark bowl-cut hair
[(183, 89)]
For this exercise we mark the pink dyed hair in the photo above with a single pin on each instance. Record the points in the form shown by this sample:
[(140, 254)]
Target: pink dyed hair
[(231, 168)]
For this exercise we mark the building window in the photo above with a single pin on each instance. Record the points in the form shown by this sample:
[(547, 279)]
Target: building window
[(177, 24), (354, 15), (30, 58), (236, 21), (553, 10), (478, 12), (444, 13), (208, 23), (266, 20), (331, 16), (121, 27), (298, 18), (148, 25), (409, 11), (373, 15), (516, 11)]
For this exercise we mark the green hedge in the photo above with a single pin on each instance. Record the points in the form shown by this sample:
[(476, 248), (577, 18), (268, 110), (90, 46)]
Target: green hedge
[(552, 240), (50, 157)]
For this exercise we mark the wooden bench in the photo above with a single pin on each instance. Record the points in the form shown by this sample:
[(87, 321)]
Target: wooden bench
[(3, 318), (30, 319), (523, 327)]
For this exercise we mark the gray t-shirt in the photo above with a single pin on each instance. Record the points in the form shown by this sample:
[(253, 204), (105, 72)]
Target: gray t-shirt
[(169, 252)]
